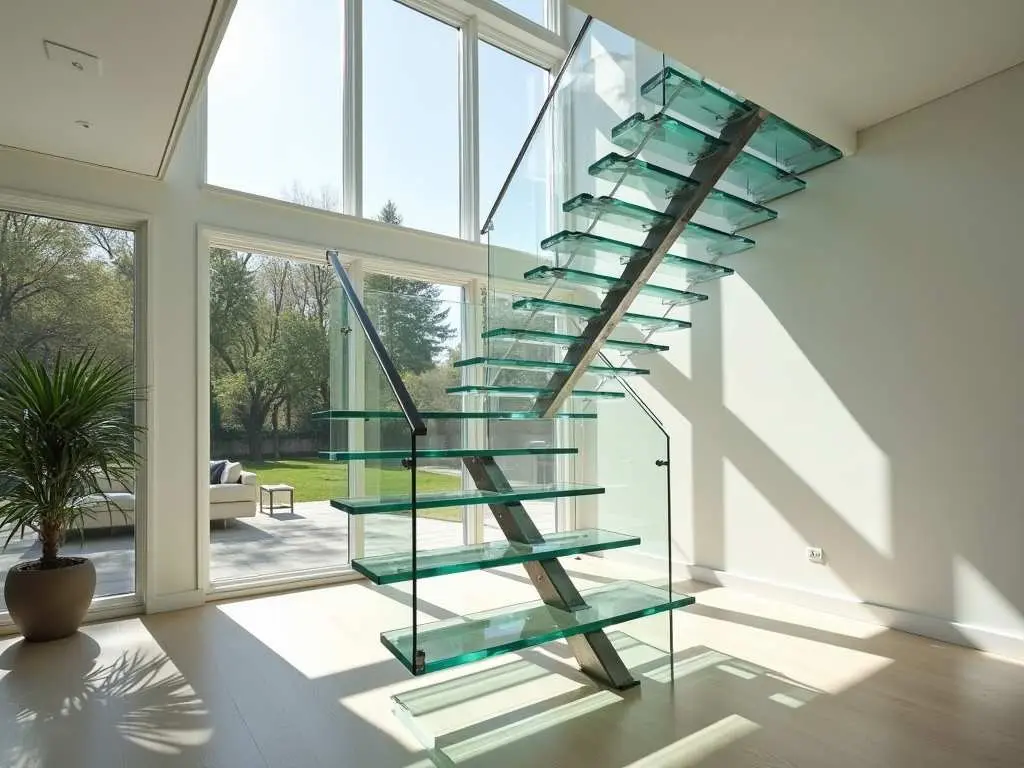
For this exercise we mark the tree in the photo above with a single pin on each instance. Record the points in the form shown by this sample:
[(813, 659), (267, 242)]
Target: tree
[(60, 290), (245, 324), (268, 342), (409, 315)]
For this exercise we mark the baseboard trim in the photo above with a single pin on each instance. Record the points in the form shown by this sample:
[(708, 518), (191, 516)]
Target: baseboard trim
[(953, 632)]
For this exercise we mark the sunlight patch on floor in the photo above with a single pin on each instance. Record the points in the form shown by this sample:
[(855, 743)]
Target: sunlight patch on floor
[(530, 726), (697, 746)]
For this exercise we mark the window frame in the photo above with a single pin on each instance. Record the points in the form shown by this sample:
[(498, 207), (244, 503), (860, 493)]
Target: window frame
[(104, 607)]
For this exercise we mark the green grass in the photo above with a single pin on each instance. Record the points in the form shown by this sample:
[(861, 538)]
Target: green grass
[(318, 479)]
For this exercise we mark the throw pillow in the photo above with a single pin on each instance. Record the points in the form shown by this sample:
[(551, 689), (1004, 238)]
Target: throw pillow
[(232, 473), (217, 471)]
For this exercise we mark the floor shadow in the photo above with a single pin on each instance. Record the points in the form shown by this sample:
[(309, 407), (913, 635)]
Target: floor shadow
[(66, 705), (263, 703), (287, 516)]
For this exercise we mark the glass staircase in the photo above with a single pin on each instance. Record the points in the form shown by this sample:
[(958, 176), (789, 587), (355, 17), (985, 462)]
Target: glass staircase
[(594, 247)]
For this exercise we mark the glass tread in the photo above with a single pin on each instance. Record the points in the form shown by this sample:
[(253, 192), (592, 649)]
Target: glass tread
[(451, 642), (684, 143), (397, 567), (779, 141), (368, 505), (638, 217), (791, 148), (342, 415), (661, 183), (515, 391), (616, 212), (757, 179), (541, 365), (587, 244), (694, 99), (551, 307), (443, 453), (562, 339), (592, 245), (605, 282)]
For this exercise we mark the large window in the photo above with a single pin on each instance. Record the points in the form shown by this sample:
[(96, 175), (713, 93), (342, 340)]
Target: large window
[(274, 110), (270, 336), (283, 347), (363, 107), (410, 116), (65, 289)]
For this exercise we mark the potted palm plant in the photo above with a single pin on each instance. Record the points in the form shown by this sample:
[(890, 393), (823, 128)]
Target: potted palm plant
[(66, 432)]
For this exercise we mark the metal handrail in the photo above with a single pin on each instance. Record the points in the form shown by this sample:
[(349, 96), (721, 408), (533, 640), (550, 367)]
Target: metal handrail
[(489, 221), (412, 414)]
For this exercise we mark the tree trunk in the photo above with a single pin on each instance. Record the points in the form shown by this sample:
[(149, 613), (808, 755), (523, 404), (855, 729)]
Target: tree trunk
[(49, 535), (274, 431), (254, 431)]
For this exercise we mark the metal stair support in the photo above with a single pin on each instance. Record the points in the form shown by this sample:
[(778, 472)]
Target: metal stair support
[(638, 272), (594, 652)]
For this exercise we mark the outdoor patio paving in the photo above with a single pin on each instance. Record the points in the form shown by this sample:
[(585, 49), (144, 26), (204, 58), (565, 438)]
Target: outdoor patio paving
[(313, 536)]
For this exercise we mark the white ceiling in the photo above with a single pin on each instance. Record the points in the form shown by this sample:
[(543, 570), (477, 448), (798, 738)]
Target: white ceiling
[(831, 67), (148, 51)]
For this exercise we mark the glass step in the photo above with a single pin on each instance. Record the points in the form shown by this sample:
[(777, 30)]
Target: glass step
[(647, 322), (790, 148), (683, 142), (594, 245), (660, 183), (540, 365), (397, 567), (693, 99), (616, 212), (781, 142), (760, 181), (448, 415), (637, 217), (674, 296), (561, 339), (443, 453), (451, 642), (499, 391), (586, 244), (369, 505)]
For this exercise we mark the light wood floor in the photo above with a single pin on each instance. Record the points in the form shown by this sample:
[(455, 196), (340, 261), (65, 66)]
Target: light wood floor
[(301, 681)]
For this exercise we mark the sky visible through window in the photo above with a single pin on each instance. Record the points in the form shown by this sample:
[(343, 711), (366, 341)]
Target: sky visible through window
[(275, 110)]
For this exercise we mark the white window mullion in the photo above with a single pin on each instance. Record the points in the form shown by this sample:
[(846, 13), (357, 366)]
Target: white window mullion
[(475, 430), (355, 399), (352, 108), (469, 129), (557, 19)]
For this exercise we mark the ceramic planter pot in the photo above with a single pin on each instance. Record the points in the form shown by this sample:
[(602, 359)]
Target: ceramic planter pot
[(50, 604)]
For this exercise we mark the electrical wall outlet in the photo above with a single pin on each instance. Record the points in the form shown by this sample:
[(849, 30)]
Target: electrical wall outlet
[(816, 555)]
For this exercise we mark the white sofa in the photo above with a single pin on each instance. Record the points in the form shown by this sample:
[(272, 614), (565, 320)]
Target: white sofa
[(115, 508)]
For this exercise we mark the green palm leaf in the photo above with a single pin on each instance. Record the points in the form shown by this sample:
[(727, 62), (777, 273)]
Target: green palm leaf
[(63, 430)]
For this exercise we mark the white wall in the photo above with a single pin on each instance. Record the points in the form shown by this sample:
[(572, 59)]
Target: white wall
[(858, 386)]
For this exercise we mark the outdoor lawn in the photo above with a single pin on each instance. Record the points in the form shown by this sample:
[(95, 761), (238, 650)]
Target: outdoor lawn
[(318, 479)]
